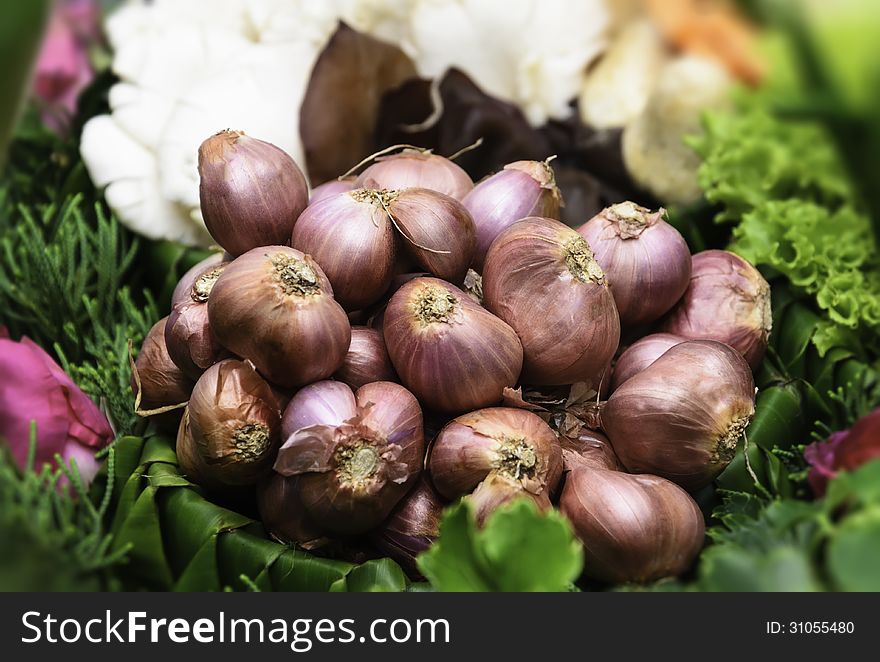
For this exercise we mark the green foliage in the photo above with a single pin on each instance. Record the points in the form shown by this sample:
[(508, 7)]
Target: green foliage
[(518, 549), (747, 521), (56, 262), (834, 74), (63, 275), (42, 167), (751, 157), (70, 275), (795, 166), (48, 540), (783, 568), (783, 185), (802, 396), (792, 545), (852, 553), (105, 374)]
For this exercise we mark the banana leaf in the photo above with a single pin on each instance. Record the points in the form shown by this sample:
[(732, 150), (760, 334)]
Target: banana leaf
[(178, 540)]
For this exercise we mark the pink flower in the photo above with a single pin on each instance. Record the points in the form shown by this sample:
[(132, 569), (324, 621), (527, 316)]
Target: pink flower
[(84, 17), (33, 387), (843, 451), (63, 67)]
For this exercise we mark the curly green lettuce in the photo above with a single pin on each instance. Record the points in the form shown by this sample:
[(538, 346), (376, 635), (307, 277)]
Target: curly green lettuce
[(782, 184)]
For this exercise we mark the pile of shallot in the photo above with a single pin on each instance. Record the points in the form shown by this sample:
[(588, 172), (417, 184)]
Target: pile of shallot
[(312, 356)]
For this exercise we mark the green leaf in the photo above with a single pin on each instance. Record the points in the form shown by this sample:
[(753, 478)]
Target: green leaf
[(297, 571), (859, 487), (778, 423), (528, 551), (735, 569), (241, 554), (777, 475), (376, 576), (793, 329), (128, 458), (201, 574), (821, 369), (186, 536), (853, 550), (778, 420), (455, 562), (141, 531), (519, 549)]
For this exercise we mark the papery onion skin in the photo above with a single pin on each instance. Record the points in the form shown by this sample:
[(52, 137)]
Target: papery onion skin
[(727, 300), (681, 417), (352, 238), (415, 169), (438, 232), (162, 383), (274, 306), (189, 460), (640, 355), (353, 473), (322, 403), (331, 188), (589, 448), (193, 466), (521, 189), (512, 443), (450, 352), (473, 285), (367, 359), (495, 491), (183, 290), (235, 422), (197, 284), (284, 515), (191, 345), (633, 528), (646, 260), (399, 418), (251, 192), (541, 278), (412, 527), (188, 336)]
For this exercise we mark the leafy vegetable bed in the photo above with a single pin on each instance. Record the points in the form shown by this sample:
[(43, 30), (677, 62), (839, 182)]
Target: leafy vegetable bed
[(177, 540)]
